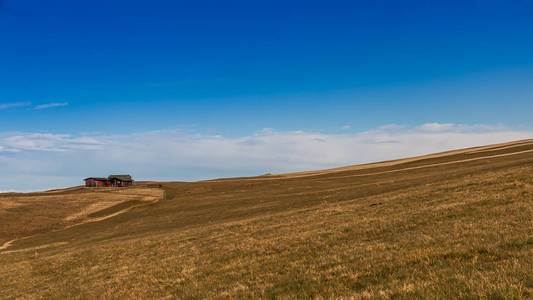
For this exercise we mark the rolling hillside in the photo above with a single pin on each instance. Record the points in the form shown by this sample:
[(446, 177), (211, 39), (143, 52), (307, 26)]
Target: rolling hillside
[(457, 224)]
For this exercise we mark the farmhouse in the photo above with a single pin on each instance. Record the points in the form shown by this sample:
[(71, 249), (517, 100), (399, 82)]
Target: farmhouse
[(111, 180)]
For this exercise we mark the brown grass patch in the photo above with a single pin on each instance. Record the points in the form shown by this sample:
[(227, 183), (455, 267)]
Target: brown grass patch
[(22, 215)]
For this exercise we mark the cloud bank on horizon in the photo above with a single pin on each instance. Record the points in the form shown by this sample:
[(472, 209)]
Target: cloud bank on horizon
[(36, 161)]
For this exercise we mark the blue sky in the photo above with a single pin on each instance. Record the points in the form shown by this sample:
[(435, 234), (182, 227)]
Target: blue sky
[(116, 70)]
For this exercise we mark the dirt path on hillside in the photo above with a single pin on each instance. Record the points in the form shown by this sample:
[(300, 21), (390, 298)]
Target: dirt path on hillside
[(146, 200), (97, 219), (7, 244)]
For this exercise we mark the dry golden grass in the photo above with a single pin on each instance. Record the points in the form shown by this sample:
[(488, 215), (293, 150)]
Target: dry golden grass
[(456, 226), (23, 215)]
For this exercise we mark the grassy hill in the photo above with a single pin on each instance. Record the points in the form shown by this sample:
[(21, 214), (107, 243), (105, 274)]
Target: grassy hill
[(452, 225)]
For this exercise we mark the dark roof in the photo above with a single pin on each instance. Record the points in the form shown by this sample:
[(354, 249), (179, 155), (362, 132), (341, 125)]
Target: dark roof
[(120, 177), (96, 178)]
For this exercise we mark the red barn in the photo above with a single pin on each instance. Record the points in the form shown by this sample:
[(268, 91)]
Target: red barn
[(96, 182)]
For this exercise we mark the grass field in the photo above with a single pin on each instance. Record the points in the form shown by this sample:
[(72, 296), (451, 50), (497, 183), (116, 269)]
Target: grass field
[(453, 225)]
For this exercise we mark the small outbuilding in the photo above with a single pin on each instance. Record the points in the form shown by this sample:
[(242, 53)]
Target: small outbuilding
[(120, 180)]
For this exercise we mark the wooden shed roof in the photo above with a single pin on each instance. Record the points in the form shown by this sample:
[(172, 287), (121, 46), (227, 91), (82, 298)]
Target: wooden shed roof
[(96, 178), (121, 177)]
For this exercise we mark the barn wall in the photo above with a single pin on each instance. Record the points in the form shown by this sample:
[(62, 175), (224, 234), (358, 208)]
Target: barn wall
[(104, 183)]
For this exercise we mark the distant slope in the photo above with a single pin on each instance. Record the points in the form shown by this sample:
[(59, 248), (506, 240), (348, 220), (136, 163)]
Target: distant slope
[(473, 150), (450, 225)]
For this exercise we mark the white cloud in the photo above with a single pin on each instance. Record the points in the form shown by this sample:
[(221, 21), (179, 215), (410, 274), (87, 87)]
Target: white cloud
[(48, 142), (346, 127), (50, 105), (390, 127), (43, 160), (450, 127), (434, 127), (14, 104)]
